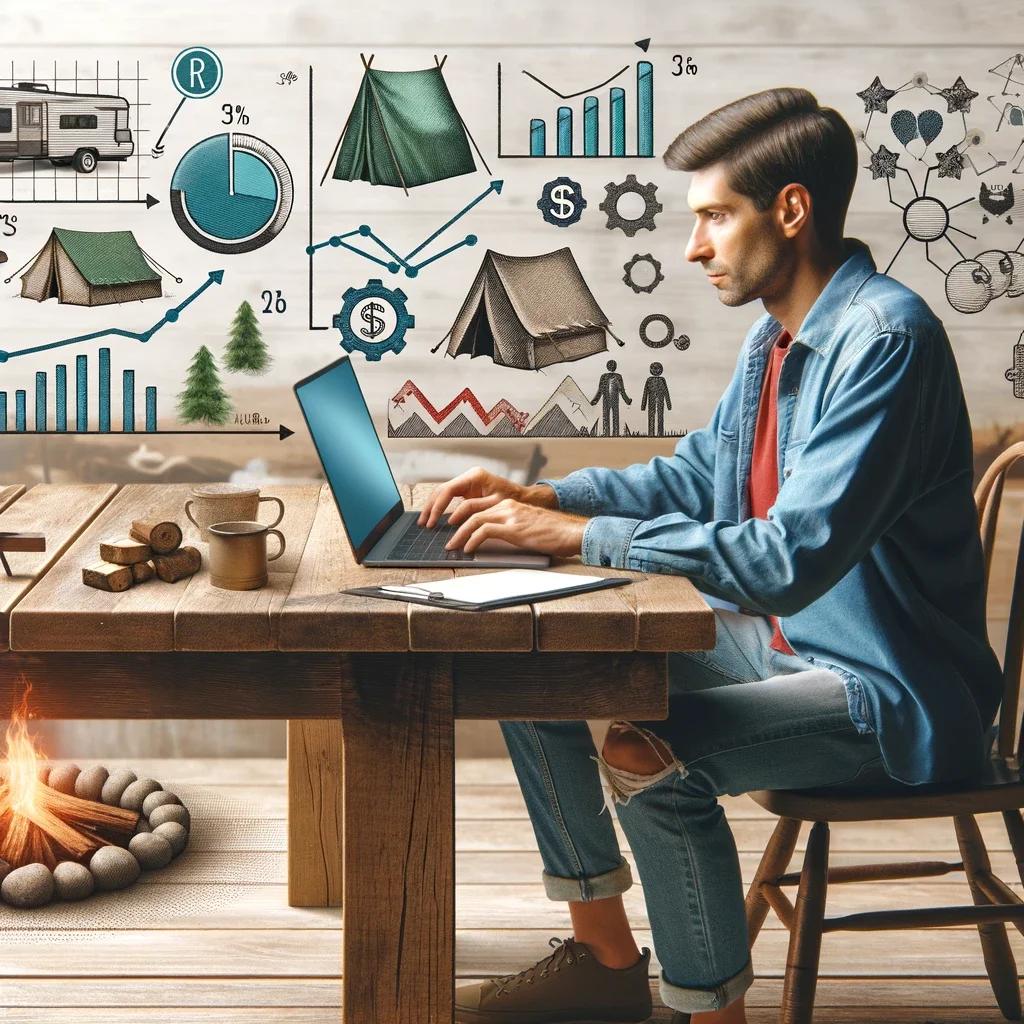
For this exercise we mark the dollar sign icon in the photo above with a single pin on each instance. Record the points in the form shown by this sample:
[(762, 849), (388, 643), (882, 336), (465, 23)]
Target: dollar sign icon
[(561, 202), (375, 323), (560, 198)]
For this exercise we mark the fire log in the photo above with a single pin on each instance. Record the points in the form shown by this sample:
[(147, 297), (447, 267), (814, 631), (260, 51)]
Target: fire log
[(127, 551), (177, 565), (163, 537), (107, 576)]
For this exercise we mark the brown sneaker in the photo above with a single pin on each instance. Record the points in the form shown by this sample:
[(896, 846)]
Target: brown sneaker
[(570, 986)]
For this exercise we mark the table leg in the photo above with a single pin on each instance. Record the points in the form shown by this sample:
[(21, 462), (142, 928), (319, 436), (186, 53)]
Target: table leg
[(314, 813), (398, 861)]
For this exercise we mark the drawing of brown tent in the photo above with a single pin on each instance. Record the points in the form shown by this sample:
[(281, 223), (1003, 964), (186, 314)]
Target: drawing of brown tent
[(528, 312), (90, 268)]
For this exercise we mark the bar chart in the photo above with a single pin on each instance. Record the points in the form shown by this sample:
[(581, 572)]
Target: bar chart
[(597, 128), (59, 424)]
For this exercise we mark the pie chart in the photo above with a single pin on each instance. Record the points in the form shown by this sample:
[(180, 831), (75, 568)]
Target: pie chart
[(231, 193)]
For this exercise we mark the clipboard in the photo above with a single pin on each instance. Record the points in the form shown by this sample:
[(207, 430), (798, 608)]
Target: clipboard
[(423, 594)]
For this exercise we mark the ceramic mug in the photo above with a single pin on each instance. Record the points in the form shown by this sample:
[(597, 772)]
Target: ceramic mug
[(221, 503), (238, 554)]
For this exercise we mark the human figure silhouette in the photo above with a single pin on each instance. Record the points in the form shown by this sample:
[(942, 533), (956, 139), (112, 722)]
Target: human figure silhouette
[(609, 388), (655, 400)]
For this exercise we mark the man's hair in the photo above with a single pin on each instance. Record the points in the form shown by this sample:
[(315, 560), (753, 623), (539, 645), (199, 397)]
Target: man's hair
[(775, 138)]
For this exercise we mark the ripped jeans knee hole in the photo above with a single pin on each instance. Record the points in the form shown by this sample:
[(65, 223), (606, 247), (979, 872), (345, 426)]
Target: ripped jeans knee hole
[(624, 784)]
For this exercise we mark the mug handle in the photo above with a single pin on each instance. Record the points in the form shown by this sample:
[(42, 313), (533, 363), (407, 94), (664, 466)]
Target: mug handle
[(280, 536), (280, 505), (188, 515)]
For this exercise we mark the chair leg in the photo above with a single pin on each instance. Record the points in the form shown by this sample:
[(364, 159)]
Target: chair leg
[(777, 855), (1015, 830), (805, 938), (995, 945)]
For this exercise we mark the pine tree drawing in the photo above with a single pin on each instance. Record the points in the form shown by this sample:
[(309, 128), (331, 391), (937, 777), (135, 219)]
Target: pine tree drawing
[(203, 398), (246, 351)]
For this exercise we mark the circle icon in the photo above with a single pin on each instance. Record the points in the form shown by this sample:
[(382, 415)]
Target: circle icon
[(197, 72), (231, 193), (630, 266), (925, 219), (373, 320), (561, 202), (630, 225)]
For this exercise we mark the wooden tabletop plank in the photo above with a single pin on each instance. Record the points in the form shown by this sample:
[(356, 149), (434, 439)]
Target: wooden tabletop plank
[(209, 618), (62, 614), (671, 614), (58, 511)]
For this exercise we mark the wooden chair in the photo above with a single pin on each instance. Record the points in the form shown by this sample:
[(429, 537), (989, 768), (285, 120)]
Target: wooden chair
[(995, 904)]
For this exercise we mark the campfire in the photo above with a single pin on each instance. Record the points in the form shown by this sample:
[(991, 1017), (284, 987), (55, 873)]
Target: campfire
[(65, 831)]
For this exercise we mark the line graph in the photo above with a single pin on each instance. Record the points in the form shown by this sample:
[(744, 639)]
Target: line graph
[(503, 407), (581, 92), (170, 317)]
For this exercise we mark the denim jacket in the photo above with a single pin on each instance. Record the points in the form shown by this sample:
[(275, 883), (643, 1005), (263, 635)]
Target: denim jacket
[(871, 555)]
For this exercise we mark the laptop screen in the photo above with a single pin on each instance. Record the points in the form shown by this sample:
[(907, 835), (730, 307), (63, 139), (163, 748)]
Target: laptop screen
[(349, 448)]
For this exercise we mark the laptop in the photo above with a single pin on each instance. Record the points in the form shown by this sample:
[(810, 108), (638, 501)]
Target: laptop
[(381, 531)]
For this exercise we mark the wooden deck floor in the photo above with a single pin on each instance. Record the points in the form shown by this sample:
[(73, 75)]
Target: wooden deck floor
[(212, 938)]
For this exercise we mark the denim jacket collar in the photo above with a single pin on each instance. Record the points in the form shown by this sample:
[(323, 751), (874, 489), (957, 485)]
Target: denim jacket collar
[(819, 327)]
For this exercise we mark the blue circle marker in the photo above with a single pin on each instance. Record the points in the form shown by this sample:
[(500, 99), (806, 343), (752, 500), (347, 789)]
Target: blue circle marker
[(171, 316), (197, 72)]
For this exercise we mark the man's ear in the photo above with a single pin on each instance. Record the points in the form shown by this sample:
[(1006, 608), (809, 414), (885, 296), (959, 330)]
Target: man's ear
[(793, 209)]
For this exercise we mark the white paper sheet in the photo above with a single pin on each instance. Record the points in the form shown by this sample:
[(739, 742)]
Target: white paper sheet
[(496, 586)]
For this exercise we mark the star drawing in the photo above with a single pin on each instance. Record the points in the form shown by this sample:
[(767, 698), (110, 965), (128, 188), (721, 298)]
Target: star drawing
[(883, 163), (958, 97), (951, 163), (876, 97)]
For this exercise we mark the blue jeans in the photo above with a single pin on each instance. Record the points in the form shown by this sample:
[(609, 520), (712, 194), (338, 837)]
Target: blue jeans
[(741, 717)]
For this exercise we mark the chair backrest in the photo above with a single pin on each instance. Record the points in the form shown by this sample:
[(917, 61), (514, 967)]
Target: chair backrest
[(988, 497)]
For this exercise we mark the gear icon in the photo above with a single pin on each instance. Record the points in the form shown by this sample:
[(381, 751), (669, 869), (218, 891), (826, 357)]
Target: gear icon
[(558, 195), (369, 345), (646, 257), (645, 192)]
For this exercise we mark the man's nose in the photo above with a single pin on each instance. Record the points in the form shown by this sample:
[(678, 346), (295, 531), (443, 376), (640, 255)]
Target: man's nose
[(698, 247)]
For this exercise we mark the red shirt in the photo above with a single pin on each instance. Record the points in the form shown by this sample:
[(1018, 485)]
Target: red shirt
[(764, 461)]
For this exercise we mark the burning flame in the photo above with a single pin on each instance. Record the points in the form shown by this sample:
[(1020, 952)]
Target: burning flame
[(22, 760)]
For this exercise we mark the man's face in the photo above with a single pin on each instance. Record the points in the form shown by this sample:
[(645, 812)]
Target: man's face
[(742, 249)]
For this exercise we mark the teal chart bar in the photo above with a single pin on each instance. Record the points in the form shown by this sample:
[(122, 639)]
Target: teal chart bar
[(151, 408), (538, 137), (19, 410), (60, 376), (591, 126), (617, 123), (81, 392), (128, 401), (40, 400), (644, 108), (104, 389), (565, 131), (3, 411)]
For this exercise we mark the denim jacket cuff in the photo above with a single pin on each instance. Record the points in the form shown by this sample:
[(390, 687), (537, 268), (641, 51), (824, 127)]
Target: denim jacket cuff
[(606, 541), (575, 494)]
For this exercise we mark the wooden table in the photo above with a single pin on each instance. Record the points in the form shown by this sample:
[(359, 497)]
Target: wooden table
[(371, 820)]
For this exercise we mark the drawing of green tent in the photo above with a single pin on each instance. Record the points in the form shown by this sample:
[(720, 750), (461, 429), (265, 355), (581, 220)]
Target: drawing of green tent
[(90, 268), (529, 311), (403, 130)]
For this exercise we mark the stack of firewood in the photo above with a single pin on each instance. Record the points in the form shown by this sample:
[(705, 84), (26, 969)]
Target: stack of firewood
[(152, 548)]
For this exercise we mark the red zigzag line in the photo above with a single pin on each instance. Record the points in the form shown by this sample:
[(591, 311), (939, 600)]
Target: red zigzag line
[(502, 407)]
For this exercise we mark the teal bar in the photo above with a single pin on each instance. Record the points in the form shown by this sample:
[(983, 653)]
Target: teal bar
[(81, 393), (40, 399), (565, 131), (3, 411), (590, 126), (617, 122), (19, 409), (61, 381), (538, 137), (128, 401), (644, 108), (104, 389), (151, 408)]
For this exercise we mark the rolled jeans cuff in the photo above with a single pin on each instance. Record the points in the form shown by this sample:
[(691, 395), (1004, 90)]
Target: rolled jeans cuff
[(582, 890), (697, 1000)]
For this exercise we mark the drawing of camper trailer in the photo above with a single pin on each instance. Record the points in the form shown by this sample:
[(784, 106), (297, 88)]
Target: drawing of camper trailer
[(73, 128)]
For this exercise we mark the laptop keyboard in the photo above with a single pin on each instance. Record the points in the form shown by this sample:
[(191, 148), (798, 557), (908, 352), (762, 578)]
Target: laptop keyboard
[(420, 544)]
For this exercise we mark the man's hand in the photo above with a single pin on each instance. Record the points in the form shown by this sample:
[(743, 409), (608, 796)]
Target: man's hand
[(527, 526), (481, 490)]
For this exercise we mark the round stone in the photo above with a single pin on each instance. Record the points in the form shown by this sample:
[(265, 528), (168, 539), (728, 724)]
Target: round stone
[(114, 867), (170, 812), (151, 851), (89, 785), (5, 869), (74, 881), (63, 778), (142, 825), (133, 796), (30, 886), (116, 784), (175, 834), (158, 799), (43, 771)]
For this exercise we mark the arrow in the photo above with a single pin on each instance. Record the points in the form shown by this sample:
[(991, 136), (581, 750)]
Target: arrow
[(158, 149), (151, 201), (214, 277), (644, 43), (282, 432), (495, 186)]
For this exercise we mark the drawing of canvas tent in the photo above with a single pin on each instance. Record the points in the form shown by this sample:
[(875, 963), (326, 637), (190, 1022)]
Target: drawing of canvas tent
[(404, 130), (91, 268), (528, 312)]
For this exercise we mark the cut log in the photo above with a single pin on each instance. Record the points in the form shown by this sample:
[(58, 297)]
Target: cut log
[(162, 536), (142, 571), (177, 565), (124, 552), (107, 576)]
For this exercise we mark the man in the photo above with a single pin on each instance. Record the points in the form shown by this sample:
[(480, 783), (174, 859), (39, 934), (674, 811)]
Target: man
[(609, 389), (829, 499)]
